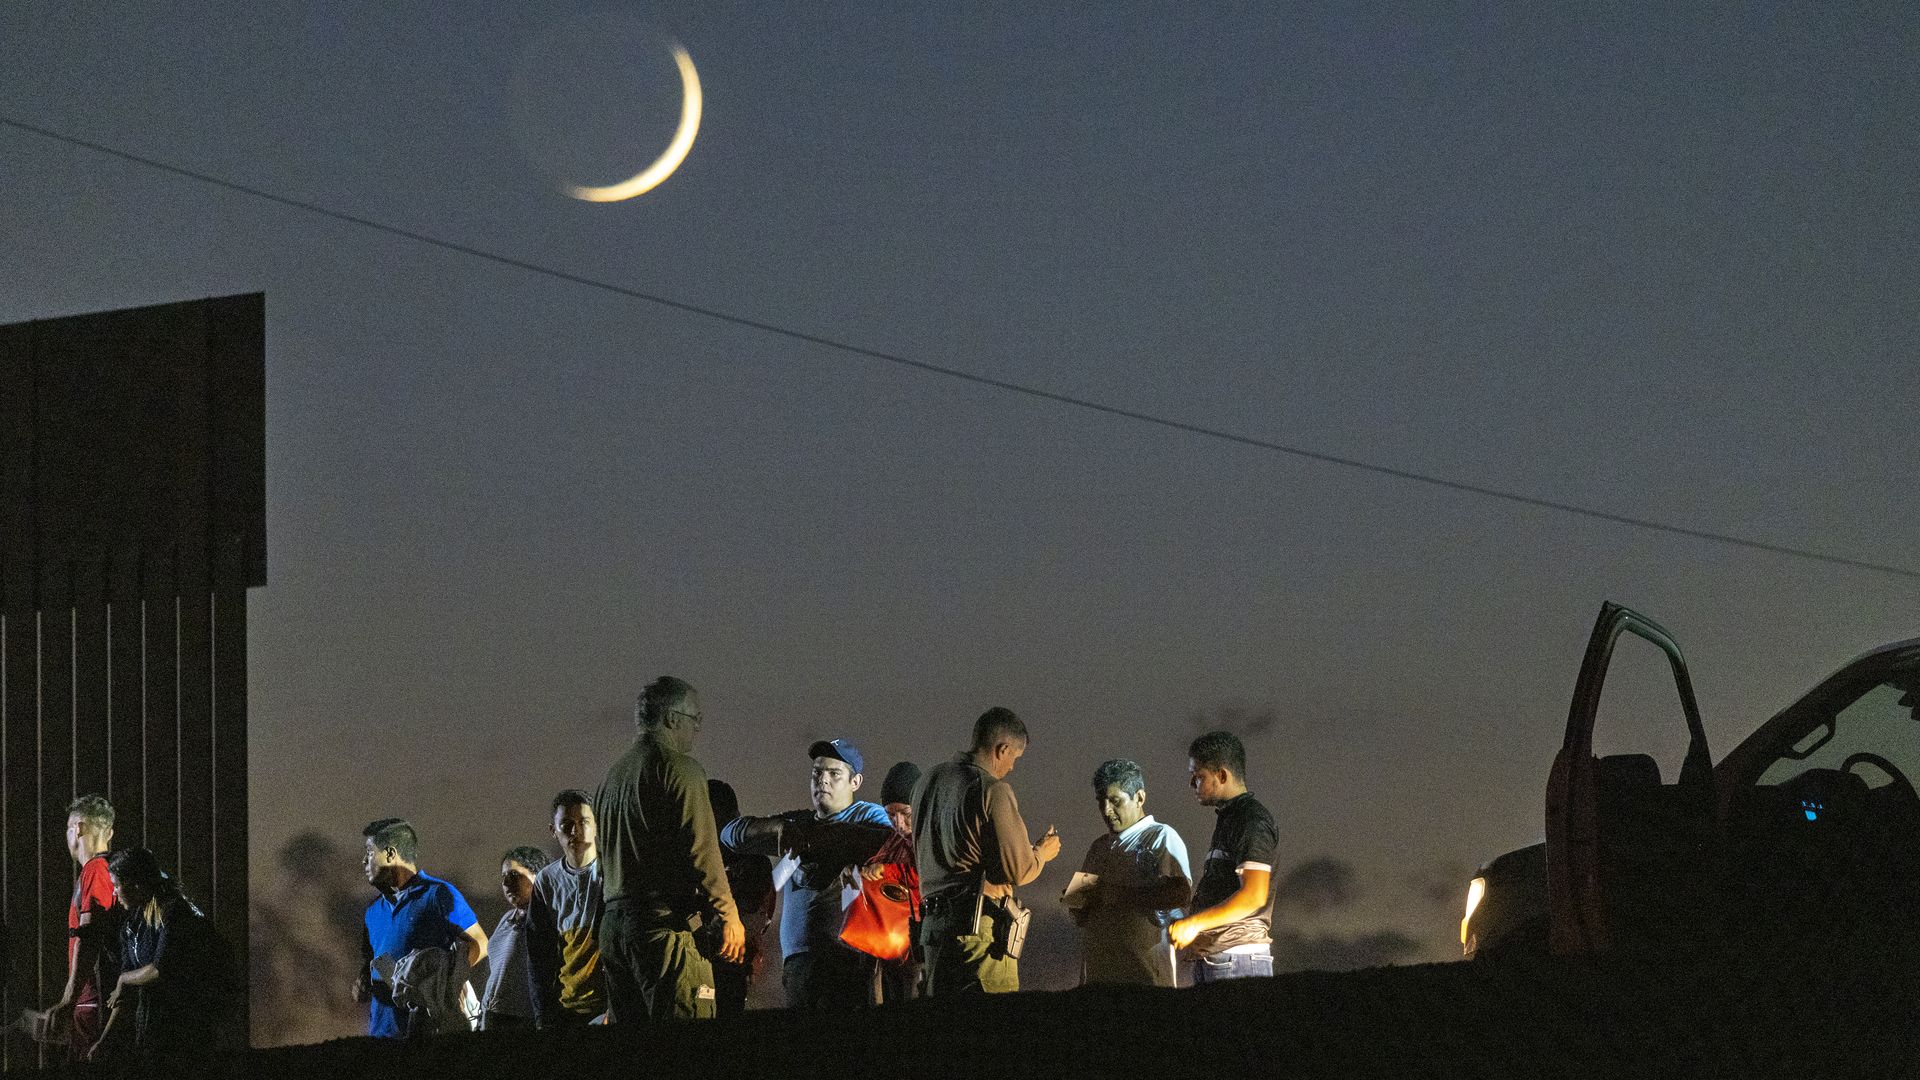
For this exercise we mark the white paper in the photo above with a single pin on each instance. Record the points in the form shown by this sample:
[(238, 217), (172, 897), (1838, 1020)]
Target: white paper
[(1079, 892), (788, 865)]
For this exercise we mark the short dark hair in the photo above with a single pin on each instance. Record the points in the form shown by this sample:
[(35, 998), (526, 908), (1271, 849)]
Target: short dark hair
[(97, 811), (661, 697), (998, 725), (395, 833), (526, 855), (1119, 771), (1220, 750), (573, 796)]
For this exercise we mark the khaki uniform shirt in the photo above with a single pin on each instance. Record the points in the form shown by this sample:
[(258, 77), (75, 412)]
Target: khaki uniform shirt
[(659, 849), (968, 831)]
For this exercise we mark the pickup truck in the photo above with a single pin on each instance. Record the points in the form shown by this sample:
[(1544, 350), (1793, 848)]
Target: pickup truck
[(1808, 830)]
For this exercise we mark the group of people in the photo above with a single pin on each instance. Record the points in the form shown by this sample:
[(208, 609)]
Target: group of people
[(656, 906), (147, 974)]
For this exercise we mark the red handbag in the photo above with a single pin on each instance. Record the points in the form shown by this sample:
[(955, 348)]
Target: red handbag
[(879, 921)]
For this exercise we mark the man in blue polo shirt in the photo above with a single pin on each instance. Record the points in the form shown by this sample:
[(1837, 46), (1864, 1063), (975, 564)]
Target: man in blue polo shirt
[(413, 911)]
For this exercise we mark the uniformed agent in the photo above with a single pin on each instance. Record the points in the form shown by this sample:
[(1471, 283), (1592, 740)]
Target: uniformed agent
[(971, 847), (662, 875)]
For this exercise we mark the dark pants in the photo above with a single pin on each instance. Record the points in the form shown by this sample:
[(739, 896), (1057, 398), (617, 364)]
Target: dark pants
[(653, 971), (730, 984), (89, 1018), (567, 1018), (828, 976), (900, 979)]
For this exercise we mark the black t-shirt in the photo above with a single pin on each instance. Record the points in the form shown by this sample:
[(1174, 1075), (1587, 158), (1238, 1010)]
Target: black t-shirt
[(193, 998), (1244, 838)]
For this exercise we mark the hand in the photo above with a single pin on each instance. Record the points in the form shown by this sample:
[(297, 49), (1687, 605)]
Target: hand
[(113, 999), (1182, 932), (1049, 846), (58, 1015), (796, 836), (874, 871), (733, 941), (94, 1052), (362, 991)]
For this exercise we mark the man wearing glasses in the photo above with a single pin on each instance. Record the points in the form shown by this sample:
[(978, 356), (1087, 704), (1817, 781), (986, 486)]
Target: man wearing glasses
[(660, 867)]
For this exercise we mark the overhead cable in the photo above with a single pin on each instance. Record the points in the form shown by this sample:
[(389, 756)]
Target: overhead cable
[(965, 376)]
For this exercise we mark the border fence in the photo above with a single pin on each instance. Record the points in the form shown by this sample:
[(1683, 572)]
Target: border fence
[(132, 523)]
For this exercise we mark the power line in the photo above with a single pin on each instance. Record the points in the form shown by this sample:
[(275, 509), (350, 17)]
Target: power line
[(955, 373)]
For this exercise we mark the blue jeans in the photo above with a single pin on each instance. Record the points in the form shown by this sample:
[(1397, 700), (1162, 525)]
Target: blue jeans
[(1232, 965)]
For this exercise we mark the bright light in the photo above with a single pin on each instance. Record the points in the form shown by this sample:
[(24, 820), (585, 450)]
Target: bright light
[(676, 150), (1476, 891)]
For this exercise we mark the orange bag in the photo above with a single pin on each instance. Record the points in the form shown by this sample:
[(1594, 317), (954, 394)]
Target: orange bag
[(879, 921)]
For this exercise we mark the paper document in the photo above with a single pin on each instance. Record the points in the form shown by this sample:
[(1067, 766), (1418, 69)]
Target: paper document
[(788, 865), (1079, 892)]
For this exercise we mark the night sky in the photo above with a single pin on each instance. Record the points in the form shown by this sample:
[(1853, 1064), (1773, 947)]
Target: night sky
[(1658, 260)]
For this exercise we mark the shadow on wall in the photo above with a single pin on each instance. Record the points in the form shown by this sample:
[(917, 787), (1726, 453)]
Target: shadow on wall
[(306, 933)]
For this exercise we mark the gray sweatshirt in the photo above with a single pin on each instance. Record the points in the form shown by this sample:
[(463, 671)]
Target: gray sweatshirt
[(564, 955), (509, 981)]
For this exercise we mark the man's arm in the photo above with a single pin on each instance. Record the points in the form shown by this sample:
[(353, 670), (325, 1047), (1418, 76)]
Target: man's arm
[(85, 956), (1174, 887), (1017, 860), (543, 957), (855, 841), (1248, 900), (1082, 893), (96, 904), (897, 851), (114, 1004), (363, 982), (94, 926), (1163, 894), (767, 836), (687, 784), (139, 976), (473, 946)]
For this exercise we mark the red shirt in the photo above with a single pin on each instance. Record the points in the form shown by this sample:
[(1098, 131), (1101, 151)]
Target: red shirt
[(93, 897)]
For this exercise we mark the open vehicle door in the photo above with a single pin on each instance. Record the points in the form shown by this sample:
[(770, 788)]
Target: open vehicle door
[(1628, 856)]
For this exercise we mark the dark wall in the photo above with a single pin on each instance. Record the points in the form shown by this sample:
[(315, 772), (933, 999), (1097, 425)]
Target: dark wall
[(132, 522)]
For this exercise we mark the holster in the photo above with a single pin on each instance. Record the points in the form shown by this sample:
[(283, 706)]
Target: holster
[(1010, 921)]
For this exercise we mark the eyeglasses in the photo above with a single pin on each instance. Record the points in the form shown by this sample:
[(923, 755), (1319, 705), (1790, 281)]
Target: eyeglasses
[(693, 716)]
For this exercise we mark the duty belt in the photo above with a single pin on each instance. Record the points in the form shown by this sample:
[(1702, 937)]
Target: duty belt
[(951, 902)]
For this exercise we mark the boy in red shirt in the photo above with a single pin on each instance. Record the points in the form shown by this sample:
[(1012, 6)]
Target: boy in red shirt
[(92, 944)]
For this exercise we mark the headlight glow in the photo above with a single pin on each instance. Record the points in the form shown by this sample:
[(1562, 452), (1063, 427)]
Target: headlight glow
[(1476, 891)]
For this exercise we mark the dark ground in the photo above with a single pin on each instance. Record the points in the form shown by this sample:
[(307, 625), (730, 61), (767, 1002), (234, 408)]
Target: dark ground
[(1843, 1013)]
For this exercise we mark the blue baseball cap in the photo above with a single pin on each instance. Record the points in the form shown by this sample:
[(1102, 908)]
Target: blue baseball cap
[(839, 750)]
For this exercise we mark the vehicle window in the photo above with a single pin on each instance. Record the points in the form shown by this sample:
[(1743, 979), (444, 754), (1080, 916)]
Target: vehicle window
[(1640, 708), (1876, 722)]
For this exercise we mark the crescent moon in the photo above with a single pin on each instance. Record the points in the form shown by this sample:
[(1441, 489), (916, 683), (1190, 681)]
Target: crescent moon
[(676, 151)]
